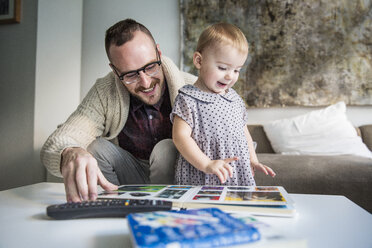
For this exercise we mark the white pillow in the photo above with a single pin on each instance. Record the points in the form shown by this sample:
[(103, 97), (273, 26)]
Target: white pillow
[(321, 132)]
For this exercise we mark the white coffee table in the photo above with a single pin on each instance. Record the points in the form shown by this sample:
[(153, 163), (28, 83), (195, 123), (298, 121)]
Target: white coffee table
[(324, 220)]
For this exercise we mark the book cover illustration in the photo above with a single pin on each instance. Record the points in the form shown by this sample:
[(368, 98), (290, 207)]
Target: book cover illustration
[(209, 227)]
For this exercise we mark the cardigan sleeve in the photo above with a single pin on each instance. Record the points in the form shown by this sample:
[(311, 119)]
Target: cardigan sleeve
[(85, 124)]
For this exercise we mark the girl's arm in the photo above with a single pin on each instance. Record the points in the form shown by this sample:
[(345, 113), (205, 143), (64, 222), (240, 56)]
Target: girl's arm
[(187, 146), (254, 160)]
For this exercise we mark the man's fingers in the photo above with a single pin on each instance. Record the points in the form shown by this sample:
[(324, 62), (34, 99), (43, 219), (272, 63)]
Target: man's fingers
[(92, 179), (72, 194), (79, 170), (106, 185), (81, 181)]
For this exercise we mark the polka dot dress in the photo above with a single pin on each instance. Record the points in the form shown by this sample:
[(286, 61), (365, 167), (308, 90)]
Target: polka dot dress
[(217, 123)]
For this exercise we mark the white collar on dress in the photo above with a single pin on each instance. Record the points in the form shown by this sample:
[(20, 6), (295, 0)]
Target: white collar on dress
[(197, 93)]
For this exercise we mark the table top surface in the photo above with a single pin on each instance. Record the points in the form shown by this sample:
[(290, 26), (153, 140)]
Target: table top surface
[(323, 220)]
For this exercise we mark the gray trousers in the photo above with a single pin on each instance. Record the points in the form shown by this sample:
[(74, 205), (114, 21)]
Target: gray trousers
[(121, 167)]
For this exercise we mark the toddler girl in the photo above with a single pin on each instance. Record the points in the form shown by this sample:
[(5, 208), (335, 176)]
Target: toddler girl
[(210, 119)]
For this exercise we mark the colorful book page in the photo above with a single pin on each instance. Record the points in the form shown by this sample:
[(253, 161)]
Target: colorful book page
[(180, 187), (171, 194), (206, 197), (262, 196), (141, 188), (208, 192)]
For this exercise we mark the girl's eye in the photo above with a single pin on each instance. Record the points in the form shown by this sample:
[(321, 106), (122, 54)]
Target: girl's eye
[(237, 71), (222, 68)]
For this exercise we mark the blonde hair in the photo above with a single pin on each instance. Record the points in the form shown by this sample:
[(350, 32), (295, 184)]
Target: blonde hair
[(222, 33)]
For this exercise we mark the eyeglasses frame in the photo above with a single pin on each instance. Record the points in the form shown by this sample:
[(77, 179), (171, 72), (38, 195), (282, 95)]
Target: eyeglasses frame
[(121, 77)]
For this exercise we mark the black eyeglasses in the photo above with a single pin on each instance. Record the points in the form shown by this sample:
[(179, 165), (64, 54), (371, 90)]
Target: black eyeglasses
[(130, 77)]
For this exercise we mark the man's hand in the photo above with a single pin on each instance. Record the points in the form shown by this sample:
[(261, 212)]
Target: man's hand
[(81, 174), (221, 168)]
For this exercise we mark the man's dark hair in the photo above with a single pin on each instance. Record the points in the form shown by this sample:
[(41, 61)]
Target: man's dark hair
[(122, 32)]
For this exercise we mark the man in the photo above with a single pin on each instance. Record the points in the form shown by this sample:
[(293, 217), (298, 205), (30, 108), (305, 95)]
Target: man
[(121, 132)]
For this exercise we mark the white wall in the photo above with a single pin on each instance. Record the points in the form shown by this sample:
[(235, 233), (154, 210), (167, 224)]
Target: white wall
[(161, 17), (17, 87), (58, 65)]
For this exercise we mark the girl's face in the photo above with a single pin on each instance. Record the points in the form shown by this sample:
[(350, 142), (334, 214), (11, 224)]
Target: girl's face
[(219, 67)]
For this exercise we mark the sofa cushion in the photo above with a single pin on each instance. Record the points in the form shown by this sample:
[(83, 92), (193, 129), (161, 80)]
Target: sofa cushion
[(321, 132), (346, 175), (366, 133), (258, 135)]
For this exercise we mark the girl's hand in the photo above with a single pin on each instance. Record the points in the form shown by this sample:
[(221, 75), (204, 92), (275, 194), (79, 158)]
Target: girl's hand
[(264, 168), (221, 168)]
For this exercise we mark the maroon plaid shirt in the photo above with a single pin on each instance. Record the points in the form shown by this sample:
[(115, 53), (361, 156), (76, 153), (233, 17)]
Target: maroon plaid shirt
[(146, 126)]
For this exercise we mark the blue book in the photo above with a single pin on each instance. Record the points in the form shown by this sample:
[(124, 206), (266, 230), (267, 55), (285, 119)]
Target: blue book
[(209, 227)]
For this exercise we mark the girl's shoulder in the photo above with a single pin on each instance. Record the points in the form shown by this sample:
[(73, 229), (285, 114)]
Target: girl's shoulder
[(232, 95)]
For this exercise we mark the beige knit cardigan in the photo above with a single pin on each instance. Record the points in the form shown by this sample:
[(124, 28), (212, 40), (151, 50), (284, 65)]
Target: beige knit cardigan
[(102, 113)]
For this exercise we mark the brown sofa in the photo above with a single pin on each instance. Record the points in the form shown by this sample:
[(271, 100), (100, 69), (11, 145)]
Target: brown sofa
[(346, 175)]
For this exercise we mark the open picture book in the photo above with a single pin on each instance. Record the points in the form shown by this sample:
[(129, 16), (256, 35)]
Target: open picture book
[(257, 200)]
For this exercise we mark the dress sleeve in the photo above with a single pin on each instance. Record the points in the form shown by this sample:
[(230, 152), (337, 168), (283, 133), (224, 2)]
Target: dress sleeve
[(184, 107), (245, 116), (245, 112)]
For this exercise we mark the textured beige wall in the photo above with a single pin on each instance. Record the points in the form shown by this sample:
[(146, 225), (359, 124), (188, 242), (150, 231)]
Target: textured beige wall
[(302, 53)]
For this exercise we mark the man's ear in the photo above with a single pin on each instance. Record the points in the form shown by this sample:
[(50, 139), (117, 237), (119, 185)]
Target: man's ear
[(113, 69), (158, 48), (197, 59)]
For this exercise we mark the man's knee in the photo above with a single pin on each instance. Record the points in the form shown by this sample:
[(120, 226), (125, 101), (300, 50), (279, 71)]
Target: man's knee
[(101, 150), (162, 162), (96, 147), (164, 150)]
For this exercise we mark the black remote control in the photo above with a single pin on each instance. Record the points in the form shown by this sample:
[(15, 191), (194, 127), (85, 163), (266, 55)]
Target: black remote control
[(105, 207)]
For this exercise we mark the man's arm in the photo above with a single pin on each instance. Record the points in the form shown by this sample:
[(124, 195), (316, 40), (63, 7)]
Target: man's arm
[(80, 129), (64, 154)]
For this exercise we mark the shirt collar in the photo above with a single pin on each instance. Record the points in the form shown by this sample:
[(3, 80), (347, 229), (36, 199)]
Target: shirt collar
[(197, 93)]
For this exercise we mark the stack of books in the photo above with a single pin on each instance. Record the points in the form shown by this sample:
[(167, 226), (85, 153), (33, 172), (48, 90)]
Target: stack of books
[(258, 200)]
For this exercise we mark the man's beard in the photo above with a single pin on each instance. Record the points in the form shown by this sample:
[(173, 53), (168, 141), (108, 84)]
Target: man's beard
[(154, 83)]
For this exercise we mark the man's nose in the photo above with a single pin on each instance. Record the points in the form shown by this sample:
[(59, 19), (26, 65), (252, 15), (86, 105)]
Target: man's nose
[(145, 80)]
